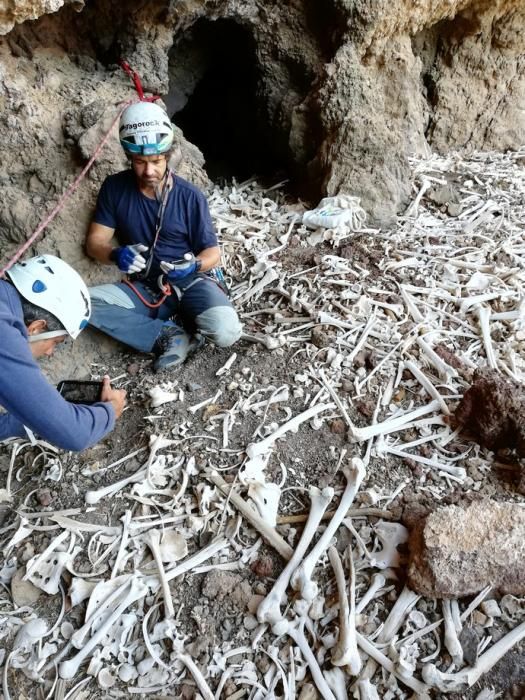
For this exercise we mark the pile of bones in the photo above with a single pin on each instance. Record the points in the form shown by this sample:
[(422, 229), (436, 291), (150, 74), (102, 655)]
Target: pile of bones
[(443, 297)]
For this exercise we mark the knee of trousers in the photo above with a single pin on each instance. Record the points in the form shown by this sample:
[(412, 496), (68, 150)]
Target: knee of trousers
[(220, 324)]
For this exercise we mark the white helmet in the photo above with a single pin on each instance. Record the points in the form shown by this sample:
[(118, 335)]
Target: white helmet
[(52, 284), (145, 129)]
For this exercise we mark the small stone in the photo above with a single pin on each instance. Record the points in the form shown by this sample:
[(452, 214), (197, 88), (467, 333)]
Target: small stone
[(193, 386), (262, 566), (23, 592), (319, 338), (44, 497), (338, 426), (133, 369)]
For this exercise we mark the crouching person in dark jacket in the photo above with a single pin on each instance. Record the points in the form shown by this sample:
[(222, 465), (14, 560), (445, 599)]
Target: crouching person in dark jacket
[(42, 302)]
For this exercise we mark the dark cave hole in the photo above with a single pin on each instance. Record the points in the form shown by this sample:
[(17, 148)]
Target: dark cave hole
[(215, 100)]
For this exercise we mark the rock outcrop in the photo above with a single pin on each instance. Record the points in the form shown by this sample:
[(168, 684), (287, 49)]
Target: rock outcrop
[(344, 92), (458, 551)]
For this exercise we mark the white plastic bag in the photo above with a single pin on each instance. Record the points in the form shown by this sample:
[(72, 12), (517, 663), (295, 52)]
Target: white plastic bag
[(332, 212)]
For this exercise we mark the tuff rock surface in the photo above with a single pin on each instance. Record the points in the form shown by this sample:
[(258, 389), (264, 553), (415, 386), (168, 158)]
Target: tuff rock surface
[(457, 551)]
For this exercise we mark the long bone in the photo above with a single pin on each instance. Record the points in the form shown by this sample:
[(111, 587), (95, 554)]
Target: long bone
[(446, 372), (345, 652), (484, 323), (456, 682), (452, 642), (258, 448), (391, 425), (302, 577), (152, 539), (378, 658), (270, 534), (405, 602), (295, 630), (378, 581), (69, 668), (269, 609), (427, 384)]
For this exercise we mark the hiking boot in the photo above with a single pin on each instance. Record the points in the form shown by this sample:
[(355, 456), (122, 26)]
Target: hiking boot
[(171, 347)]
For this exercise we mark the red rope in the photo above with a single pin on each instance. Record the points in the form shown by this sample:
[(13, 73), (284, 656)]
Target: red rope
[(137, 82), (166, 290), (70, 190)]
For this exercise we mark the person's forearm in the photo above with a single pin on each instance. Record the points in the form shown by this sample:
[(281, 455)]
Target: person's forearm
[(210, 258), (99, 251)]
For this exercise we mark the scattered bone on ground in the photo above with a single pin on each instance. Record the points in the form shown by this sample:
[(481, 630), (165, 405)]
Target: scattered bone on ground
[(156, 562)]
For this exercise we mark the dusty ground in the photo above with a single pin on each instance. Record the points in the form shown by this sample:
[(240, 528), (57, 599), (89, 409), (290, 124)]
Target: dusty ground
[(212, 607)]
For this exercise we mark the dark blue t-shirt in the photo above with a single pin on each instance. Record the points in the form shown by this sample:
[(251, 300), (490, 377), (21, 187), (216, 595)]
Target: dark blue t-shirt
[(186, 228)]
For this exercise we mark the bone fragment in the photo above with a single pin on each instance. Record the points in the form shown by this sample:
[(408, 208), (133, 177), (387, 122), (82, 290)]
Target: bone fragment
[(69, 668), (457, 682), (258, 448), (152, 539), (452, 642)]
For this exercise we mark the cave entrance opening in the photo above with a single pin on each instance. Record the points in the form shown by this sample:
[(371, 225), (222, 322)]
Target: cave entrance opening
[(215, 98)]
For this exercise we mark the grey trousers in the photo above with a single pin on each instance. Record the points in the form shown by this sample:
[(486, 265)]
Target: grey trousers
[(197, 305)]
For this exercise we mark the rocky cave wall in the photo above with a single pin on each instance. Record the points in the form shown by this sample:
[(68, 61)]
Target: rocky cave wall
[(345, 91)]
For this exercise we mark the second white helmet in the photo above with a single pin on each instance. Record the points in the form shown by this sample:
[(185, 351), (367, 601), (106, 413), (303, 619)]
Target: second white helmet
[(50, 283), (145, 129)]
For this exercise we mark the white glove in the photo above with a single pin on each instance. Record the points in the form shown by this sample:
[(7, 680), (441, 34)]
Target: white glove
[(128, 258)]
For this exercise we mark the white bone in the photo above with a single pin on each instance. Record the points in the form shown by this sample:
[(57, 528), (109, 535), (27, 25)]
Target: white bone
[(393, 424), (160, 396), (379, 658), (266, 498), (69, 668), (367, 691), (152, 539), (227, 365), (261, 447), (302, 577), (456, 682), (269, 533), (484, 322), (295, 631), (345, 652), (427, 384), (391, 535), (269, 609), (378, 581), (446, 372), (336, 680), (452, 642)]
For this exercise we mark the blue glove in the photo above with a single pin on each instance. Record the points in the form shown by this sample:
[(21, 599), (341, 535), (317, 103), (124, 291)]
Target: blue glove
[(178, 269), (128, 258)]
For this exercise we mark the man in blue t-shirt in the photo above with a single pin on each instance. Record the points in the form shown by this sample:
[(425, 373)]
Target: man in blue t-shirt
[(167, 247)]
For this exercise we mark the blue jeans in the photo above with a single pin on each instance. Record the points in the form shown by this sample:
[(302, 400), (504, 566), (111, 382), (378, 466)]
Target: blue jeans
[(197, 304)]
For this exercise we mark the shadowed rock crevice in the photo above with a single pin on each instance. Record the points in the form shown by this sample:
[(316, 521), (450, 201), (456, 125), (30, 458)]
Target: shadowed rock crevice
[(215, 98)]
